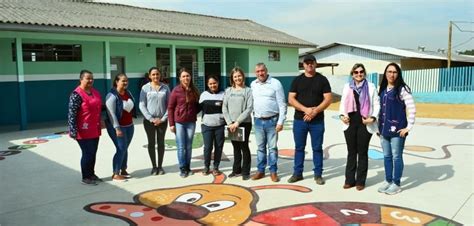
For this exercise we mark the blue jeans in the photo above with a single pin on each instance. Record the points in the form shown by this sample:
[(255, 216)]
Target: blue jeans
[(300, 133), (393, 158), (89, 150), (184, 141), (121, 146), (266, 137)]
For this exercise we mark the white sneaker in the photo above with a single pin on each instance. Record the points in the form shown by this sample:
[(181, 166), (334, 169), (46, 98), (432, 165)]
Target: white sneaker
[(393, 189), (384, 187)]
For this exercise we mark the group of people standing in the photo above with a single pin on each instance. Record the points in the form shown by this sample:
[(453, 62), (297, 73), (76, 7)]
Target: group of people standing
[(363, 112)]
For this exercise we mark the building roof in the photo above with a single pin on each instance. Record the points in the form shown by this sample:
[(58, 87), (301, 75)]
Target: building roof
[(84, 15), (431, 55)]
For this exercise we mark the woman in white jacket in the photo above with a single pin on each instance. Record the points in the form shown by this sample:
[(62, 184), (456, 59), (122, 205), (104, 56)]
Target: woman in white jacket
[(358, 111)]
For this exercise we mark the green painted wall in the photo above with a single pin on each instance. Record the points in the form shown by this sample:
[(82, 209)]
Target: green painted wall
[(10, 110), (7, 66), (239, 57), (91, 59), (47, 100), (138, 57), (288, 59)]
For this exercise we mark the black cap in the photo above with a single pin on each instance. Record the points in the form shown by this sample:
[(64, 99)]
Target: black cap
[(309, 58)]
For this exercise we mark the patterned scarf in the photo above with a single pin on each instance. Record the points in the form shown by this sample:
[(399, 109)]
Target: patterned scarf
[(363, 91)]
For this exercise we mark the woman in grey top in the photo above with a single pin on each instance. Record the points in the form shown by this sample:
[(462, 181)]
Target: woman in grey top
[(153, 105), (237, 108)]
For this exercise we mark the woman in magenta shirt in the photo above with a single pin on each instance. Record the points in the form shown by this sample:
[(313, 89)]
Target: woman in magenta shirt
[(85, 105)]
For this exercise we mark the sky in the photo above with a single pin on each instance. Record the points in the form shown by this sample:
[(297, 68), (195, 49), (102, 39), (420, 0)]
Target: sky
[(394, 23)]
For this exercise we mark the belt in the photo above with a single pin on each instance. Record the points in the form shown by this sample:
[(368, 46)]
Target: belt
[(268, 118)]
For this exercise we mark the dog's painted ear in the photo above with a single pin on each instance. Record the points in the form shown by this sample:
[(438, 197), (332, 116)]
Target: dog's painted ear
[(278, 186)]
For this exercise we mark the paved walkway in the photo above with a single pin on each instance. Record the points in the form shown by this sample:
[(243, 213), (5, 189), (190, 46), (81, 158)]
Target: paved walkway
[(41, 185)]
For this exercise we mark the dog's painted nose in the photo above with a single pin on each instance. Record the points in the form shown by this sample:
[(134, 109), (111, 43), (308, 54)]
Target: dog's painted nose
[(183, 211)]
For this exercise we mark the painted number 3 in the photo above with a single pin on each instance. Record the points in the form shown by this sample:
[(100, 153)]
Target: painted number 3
[(398, 215), (348, 212)]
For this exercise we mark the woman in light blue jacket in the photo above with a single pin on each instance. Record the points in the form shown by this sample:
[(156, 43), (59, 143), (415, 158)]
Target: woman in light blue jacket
[(154, 97)]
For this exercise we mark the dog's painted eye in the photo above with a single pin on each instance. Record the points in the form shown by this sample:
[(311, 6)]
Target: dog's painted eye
[(189, 197), (218, 205)]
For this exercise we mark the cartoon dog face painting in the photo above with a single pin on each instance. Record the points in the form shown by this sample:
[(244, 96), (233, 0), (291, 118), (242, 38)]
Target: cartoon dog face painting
[(204, 203), (201, 204)]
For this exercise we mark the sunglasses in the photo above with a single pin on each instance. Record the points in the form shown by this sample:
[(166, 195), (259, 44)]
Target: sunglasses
[(358, 72)]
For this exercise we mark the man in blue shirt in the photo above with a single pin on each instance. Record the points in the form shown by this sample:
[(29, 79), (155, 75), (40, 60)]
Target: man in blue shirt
[(269, 107)]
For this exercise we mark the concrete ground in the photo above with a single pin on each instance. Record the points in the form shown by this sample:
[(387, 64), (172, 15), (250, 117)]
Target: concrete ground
[(41, 185)]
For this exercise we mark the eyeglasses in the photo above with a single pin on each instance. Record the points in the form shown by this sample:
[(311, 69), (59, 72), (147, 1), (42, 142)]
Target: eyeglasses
[(358, 72)]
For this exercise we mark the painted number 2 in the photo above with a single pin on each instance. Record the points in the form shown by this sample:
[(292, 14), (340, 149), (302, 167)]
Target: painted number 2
[(348, 212), (398, 215)]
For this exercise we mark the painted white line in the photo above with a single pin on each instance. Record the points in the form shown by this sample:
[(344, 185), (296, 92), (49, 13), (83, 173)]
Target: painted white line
[(306, 216)]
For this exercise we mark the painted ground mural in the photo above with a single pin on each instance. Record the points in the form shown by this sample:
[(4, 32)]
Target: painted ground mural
[(222, 201)]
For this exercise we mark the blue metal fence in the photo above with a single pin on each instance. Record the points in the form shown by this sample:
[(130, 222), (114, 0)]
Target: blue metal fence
[(456, 79)]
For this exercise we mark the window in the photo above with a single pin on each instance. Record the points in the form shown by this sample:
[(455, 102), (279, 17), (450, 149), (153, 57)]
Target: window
[(273, 55), (49, 52)]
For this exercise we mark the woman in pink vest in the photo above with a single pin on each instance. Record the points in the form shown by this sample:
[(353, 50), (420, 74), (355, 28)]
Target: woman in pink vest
[(85, 105)]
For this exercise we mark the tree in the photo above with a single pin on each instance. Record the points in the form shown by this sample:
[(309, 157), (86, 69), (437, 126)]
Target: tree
[(468, 52)]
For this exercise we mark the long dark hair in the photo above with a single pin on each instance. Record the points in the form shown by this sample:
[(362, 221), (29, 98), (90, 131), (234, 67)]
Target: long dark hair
[(209, 77), (192, 93), (117, 78), (399, 83)]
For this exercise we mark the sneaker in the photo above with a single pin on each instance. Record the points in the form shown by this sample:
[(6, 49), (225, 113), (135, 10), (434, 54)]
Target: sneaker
[(206, 171), (154, 171), (125, 174), (245, 177), (119, 178), (189, 172), (234, 175), (96, 179), (393, 189), (319, 180), (384, 187), (183, 174), (88, 181), (161, 171), (294, 179)]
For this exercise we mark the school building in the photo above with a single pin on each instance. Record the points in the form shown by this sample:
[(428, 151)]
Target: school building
[(59, 38)]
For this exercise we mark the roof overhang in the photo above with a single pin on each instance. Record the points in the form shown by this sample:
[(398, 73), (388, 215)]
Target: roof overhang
[(136, 34)]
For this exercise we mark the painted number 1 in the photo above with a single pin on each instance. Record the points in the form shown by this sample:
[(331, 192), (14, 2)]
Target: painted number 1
[(348, 212)]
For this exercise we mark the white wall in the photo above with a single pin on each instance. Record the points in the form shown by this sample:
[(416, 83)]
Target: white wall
[(347, 56)]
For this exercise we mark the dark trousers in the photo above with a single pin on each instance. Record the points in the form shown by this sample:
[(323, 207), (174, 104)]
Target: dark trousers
[(357, 140), (155, 135), (213, 137), (89, 151), (241, 149)]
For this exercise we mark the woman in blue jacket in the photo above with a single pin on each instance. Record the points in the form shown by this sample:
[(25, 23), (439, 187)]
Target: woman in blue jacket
[(394, 124), (120, 111)]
